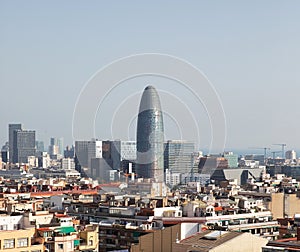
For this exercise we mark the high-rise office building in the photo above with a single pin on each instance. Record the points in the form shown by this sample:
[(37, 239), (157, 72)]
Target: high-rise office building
[(44, 159), (150, 137), (178, 156), (122, 151), (11, 129), (40, 147), (291, 154), (24, 145), (85, 151), (69, 152), (100, 168), (4, 152), (56, 146), (60, 144)]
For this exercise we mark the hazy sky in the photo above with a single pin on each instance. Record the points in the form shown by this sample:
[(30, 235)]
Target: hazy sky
[(249, 50)]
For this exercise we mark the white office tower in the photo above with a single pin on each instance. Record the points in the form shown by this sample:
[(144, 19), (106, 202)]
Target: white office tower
[(44, 160), (291, 154)]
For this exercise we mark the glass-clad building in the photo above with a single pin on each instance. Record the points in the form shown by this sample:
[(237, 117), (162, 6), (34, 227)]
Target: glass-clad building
[(150, 137), (178, 156)]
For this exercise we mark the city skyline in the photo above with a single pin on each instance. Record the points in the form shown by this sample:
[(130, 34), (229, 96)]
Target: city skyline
[(149, 126), (48, 54)]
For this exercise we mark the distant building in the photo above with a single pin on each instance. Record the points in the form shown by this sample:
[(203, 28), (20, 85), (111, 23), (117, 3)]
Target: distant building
[(32, 161), (5, 152), (100, 169), (172, 178), (24, 145), (208, 164), (150, 137), (68, 164), (53, 150), (240, 174), (291, 154), (122, 151), (56, 146), (256, 157), (85, 151), (69, 152), (40, 147), (196, 159), (203, 179), (232, 159), (21, 143), (178, 156), (44, 159), (11, 141)]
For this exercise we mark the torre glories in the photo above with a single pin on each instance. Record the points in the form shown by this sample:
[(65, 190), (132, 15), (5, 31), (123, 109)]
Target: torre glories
[(150, 137)]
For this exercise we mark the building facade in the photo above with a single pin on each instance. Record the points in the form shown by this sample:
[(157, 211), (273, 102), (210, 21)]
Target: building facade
[(232, 159), (93, 158), (150, 137), (291, 154), (122, 151), (24, 145), (56, 146), (178, 156), (11, 141)]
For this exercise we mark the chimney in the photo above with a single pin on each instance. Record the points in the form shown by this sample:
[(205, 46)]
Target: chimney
[(298, 233)]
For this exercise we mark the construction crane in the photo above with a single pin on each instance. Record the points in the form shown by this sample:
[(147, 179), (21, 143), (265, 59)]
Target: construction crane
[(282, 146), (262, 148), (274, 152)]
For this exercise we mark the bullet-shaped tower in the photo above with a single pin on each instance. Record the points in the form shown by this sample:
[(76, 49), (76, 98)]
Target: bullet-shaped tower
[(150, 137)]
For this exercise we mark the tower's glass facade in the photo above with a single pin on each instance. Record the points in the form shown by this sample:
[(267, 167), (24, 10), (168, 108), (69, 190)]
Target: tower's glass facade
[(150, 137), (178, 156)]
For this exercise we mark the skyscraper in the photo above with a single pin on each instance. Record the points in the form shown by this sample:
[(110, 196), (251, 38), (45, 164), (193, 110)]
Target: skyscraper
[(178, 156), (24, 145), (56, 146), (150, 137), (122, 151), (11, 141), (85, 151), (40, 147)]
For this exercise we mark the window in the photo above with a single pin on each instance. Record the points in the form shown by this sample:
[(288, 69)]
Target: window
[(9, 243), (90, 242), (23, 242), (3, 227), (17, 226), (60, 246)]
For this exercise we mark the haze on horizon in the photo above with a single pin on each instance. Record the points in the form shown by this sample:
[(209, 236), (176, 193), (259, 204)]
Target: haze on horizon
[(248, 50)]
